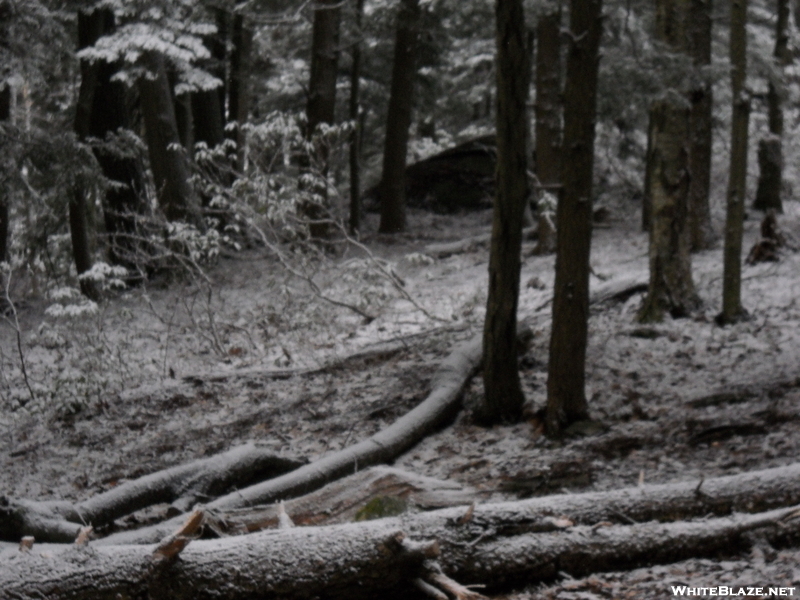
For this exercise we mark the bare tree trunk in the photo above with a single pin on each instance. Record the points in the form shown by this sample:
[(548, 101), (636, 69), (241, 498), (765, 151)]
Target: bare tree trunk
[(503, 396), (355, 139), (700, 131), (321, 107), (566, 399), (170, 169), (732, 309), (5, 115), (647, 193), (671, 288), (770, 150), (548, 115), (392, 188), (102, 109), (239, 84)]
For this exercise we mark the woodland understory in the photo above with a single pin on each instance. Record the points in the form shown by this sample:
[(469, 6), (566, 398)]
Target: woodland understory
[(256, 375)]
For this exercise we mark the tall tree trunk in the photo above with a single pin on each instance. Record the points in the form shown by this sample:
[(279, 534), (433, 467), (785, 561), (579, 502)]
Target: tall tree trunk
[(647, 193), (176, 197), (737, 178), (566, 397), (702, 233), (321, 106), (355, 138), (218, 45), (239, 84), (548, 113), (768, 194), (671, 288), (5, 115), (102, 109), (503, 396), (398, 119)]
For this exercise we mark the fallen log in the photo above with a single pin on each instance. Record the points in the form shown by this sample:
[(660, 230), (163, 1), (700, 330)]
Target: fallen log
[(373, 559), (183, 485)]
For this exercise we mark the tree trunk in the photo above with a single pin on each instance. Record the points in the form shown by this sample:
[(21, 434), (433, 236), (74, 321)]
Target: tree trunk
[(502, 390), (167, 160), (700, 130), (647, 193), (5, 115), (548, 115), (102, 109), (770, 151), (321, 109), (355, 138), (671, 288), (566, 399), (239, 84), (496, 544), (732, 309), (81, 237), (392, 188)]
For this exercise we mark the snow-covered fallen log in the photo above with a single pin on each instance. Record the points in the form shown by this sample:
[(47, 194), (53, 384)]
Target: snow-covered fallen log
[(182, 485), (367, 560)]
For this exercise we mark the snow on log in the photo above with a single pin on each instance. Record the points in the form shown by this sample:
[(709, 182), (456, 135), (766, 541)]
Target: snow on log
[(371, 559), (60, 521), (441, 406)]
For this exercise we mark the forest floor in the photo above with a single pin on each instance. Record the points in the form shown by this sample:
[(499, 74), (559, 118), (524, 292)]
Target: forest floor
[(187, 368)]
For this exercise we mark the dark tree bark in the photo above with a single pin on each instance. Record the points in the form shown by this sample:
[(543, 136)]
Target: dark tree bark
[(671, 288), (647, 193), (218, 44), (239, 84), (176, 197), (548, 113), (5, 115), (355, 139), (102, 109), (184, 118), (700, 132), (321, 106), (503, 396), (770, 151), (732, 309), (566, 399), (398, 119)]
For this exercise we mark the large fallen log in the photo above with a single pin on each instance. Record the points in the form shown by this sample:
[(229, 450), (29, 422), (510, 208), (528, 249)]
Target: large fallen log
[(367, 560), (183, 485)]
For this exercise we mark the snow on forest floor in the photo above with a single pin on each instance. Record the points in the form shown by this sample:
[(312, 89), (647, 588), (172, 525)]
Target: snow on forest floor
[(185, 369)]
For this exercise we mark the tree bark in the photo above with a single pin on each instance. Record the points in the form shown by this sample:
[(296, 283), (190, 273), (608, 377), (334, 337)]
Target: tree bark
[(496, 544), (647, 192), (239, 84), (566, 400), (102, 110), (503, 396), (355, 138), (81, 237), (671, 287), (700, 130), (5, 115), (732, 309), (770, 150), (168, 161), (548, 114), (392, 188)]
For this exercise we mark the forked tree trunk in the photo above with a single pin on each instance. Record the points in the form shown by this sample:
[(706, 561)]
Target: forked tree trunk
[(770, 150), (102, 109), (355, 138), (671, 288), (503, 396), (5, 115), (700, 130), (548, 114), (392, 188), (168, 161), (566, 399), (732, 309)]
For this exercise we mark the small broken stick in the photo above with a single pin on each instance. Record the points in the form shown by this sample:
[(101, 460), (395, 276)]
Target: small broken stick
[(172, 545)]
